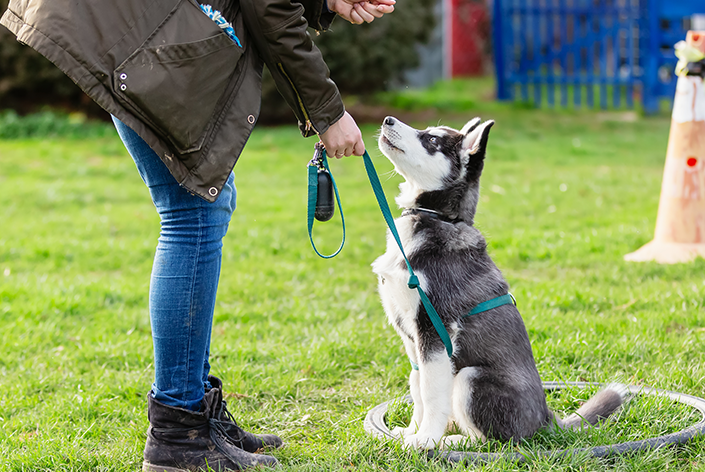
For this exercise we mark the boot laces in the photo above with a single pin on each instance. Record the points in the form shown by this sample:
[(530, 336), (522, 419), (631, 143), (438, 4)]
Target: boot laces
[(229, 420), (218, 434), (225, 412)]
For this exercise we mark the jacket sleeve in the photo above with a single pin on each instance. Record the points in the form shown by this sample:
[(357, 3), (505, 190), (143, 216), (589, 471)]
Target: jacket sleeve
[(279, 31), (317, 14)]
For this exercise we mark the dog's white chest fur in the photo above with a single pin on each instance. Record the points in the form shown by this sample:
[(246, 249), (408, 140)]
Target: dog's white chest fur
[(399, 301)]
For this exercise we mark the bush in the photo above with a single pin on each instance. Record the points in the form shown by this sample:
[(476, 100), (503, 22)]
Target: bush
[(28, 79), (371, 57), (49, 124)]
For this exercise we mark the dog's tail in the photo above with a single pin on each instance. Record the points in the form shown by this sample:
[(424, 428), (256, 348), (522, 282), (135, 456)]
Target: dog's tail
[(603, 404)]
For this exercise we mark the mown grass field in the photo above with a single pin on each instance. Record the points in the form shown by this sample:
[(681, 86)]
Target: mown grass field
[(302, 343)]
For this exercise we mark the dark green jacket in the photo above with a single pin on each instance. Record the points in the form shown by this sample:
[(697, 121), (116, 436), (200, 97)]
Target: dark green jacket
[(168, 71)]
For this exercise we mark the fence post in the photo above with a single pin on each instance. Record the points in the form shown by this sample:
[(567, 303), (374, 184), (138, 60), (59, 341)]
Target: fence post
[(503, 92), (649, 96)]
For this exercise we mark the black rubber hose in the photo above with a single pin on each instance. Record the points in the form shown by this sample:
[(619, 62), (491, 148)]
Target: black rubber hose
[(376, 426)]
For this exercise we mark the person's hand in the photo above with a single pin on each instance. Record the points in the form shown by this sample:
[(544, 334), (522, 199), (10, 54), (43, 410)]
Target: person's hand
[(360, 11), (343, 138)]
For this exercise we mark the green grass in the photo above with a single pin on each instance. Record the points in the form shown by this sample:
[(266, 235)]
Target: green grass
[(302, 343)]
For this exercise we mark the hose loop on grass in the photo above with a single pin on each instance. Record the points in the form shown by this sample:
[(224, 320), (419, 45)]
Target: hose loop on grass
[(376, 426)]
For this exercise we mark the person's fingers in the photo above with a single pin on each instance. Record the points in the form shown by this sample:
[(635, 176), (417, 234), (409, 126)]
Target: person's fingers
[(343, 137), (372, 10), (345, 14), (355, 17), (359, 147), (383, 6), (363, 13), (339, 151), (346, 149), (384, 9)]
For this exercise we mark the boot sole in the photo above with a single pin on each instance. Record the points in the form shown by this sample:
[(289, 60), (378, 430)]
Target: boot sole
[(147, 467)]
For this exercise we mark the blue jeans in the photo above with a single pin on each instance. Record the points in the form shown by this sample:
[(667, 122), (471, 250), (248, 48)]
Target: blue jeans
[(184, 276)]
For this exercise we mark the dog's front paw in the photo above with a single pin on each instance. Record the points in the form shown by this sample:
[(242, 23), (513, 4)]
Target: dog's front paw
[(401, 432), (421, 441), (455, 440)]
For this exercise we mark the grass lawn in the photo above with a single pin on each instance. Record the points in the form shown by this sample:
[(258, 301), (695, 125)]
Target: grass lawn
[(302, 343)]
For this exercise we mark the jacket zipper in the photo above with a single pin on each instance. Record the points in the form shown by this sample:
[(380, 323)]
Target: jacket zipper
[(309, 125)]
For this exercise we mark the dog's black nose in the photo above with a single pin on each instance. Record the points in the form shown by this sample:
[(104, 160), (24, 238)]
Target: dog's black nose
[(389, 121)]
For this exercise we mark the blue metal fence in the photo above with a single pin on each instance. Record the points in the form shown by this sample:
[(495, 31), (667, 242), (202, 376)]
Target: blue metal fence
[(589, 52)]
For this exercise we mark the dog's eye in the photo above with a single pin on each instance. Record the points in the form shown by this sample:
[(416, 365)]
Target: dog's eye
[(433, 140)]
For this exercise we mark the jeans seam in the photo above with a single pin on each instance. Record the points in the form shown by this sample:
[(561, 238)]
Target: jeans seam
[(193, 292)]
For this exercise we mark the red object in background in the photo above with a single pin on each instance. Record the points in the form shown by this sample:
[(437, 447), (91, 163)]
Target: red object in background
[(470, 26), (691, 161)]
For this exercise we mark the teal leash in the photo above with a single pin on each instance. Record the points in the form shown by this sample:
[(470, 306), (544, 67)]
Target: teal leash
[(413, 282), (321, 160)]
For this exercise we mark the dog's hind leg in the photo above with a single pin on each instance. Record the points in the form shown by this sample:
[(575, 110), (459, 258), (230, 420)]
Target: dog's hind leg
[(462, 401)]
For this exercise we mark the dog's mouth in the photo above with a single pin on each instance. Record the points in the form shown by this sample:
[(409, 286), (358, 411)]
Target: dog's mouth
[(387, 142)]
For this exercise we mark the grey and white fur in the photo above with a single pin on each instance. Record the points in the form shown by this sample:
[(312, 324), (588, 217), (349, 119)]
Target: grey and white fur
[(490, 388)]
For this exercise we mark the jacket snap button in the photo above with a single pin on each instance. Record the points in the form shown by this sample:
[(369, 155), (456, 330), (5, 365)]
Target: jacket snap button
[(123, 76), (123, 87), (213, 191), (251, 119)]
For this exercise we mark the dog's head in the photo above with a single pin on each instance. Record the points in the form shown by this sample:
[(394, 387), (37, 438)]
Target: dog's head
[(442, 166)]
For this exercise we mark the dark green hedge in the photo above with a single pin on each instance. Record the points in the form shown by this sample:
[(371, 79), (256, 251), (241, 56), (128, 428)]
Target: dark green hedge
[(27, 78), (363, 59)]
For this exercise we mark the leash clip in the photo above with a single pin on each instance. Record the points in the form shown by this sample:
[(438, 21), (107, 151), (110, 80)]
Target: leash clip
[(317, 160)]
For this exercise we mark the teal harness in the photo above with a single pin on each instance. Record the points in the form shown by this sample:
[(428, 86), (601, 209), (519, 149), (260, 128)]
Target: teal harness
[(413, 282), (507, 299)]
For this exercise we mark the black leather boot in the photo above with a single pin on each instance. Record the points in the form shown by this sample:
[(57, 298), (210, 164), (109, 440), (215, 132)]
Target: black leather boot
[(247, 441), (180, 440)]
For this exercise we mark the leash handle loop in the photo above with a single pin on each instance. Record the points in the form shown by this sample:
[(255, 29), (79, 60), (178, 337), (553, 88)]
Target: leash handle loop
[(313, 195), (413, 279)]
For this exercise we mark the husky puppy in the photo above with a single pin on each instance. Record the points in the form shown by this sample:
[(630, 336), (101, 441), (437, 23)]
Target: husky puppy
[(490, 388)]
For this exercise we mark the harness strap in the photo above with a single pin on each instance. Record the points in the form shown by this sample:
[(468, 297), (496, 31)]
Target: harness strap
[(506, 299), (494, 303)]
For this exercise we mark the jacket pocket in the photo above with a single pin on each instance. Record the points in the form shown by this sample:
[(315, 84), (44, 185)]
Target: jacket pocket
[(176, 86)]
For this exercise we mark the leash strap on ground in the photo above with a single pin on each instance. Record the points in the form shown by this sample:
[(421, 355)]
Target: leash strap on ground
[(313, 195), (413, 280)]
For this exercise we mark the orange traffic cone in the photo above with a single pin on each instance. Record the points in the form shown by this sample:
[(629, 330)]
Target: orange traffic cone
[(680, 225)]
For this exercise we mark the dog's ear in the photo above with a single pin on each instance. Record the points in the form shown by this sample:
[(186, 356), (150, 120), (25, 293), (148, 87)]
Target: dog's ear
[(475, 141), (470, 125)]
